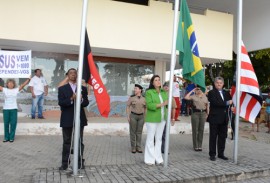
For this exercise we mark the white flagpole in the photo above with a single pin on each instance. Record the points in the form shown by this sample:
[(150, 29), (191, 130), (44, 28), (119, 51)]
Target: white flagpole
[(79, 88), (173, 59), (238, 67)]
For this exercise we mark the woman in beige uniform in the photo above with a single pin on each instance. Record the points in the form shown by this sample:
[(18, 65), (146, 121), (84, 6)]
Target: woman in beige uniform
[(135, 114), (198, 117)]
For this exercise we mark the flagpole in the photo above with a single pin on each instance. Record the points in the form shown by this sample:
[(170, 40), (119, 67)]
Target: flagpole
[(173, 59), (79, 88), (238, 67)]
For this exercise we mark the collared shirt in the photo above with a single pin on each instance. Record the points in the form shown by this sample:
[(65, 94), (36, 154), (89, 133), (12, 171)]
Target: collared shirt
[(221, 94), (137, 104), (73, 86), (38, 84), (199, 102)]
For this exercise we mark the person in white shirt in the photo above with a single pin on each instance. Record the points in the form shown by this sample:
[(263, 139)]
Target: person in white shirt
[(10, 108), (39, 89), (176, 96)]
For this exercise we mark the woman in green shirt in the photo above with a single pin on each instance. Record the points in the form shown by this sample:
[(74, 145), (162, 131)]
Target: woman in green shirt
[(156, 101)]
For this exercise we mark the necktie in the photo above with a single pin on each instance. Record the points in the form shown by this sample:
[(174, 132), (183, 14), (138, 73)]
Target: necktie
[(221, 94)]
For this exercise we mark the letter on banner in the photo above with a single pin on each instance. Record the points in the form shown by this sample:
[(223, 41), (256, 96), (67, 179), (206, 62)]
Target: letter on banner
[(15, 64)]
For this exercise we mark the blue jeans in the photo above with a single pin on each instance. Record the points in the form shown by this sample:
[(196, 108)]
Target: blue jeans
[(38, 101), (184, 107)]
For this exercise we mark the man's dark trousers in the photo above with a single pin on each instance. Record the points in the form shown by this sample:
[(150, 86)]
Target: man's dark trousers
[(67, 135), (217, 132)]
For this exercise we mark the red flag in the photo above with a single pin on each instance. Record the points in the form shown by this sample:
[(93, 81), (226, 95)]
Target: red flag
[(91, 76), (250, 100)]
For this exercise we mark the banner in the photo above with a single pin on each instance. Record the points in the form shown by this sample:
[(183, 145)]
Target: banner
[(15, 64)]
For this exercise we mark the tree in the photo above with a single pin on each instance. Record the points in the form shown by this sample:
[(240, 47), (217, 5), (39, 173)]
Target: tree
[(224, 69), (262, 53), (261, 64)]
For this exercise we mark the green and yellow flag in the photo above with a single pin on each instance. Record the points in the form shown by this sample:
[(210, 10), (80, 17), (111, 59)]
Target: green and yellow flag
[(187, 46)]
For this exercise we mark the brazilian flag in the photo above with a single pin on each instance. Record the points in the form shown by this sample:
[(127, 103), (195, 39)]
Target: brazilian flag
[(187, 46)]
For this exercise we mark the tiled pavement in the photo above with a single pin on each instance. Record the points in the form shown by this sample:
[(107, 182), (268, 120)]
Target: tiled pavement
[(108, 159)]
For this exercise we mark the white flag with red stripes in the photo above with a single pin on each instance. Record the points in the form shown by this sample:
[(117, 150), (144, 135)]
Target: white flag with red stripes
[(250, 100)]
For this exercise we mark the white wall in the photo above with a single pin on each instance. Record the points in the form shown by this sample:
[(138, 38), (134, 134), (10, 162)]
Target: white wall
[(112, 25)]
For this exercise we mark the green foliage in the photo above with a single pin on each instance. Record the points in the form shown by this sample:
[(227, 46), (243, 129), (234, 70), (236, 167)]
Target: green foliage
[(262, 53), (261, 64)]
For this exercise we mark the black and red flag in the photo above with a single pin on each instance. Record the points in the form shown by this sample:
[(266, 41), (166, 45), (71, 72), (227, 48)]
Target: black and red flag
[(92, 77)]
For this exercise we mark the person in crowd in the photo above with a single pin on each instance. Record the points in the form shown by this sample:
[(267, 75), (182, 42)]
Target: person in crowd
[(232, 111), (135, 114), (267, 111), (220, 101), (176, 96), (208, 88), (190, 87), (39, 89), (156, 114), (166, 88), (257, 119), (198, 116), (183, 100), (2, 83), (10, 108), (67, 102), (257, 123)]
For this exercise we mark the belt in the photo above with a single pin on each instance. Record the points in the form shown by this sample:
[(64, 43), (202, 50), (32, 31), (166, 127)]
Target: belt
[(199, 110), (136, 113)]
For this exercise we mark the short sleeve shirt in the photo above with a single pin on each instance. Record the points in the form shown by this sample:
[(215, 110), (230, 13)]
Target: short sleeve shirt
[(10, 96), (199, 102), (38, 84), (175, 90), (137, 104)]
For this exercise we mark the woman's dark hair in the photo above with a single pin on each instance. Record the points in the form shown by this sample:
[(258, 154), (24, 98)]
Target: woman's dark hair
[(151, 85)]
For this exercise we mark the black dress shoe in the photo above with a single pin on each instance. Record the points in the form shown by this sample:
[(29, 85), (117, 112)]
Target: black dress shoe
[(133, 151), (63, 167), (212, 158), (223, 157)]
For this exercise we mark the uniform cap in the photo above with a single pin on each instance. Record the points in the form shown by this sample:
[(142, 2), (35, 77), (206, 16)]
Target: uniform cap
[(139, 86), (166, 84)]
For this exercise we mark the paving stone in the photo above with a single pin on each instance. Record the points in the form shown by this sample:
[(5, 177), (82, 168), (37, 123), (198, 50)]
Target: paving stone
[(108, 159)]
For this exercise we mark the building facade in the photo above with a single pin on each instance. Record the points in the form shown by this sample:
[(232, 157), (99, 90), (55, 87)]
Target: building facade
[(129, 42)]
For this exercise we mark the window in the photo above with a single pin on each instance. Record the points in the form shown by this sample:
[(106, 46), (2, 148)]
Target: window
[(118, 75)]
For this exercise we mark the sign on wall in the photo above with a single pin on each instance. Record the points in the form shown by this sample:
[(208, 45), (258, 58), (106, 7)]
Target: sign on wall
[(15, 64)]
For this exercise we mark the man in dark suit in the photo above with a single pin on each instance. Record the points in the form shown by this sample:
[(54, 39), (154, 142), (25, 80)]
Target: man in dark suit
[(67, 100), (220, 101)]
